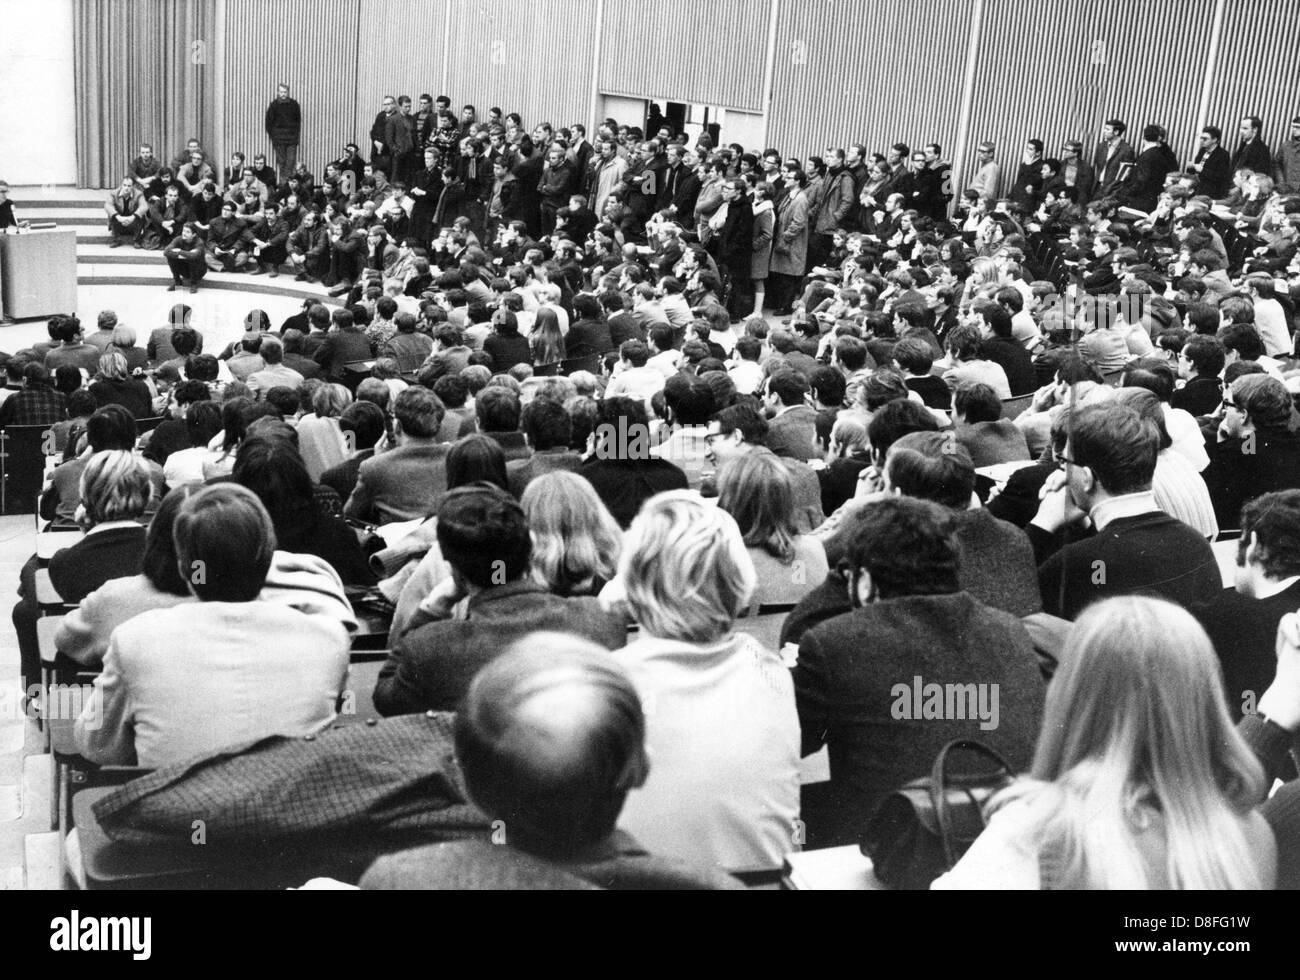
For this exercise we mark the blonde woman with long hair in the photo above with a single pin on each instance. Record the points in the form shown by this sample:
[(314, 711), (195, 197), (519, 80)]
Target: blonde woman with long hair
[(1140, 780), (576, 540)]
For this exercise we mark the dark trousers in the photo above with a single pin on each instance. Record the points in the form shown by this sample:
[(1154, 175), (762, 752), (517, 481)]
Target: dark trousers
[(187, 269), (126, 232), (25, 614), (286, 158), (273, 255), (781, 290)]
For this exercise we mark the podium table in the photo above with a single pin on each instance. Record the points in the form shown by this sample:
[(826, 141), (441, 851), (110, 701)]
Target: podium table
[(38, 273)]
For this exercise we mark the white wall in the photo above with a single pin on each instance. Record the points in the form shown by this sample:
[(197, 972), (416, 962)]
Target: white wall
[(745, 128), (38, 127), (629, 112)]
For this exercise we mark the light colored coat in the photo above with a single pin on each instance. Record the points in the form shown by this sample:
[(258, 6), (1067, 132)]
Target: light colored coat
[(790, 249)]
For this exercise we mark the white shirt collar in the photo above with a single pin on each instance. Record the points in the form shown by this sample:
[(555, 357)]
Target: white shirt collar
[(1124, 505), (112, 526)]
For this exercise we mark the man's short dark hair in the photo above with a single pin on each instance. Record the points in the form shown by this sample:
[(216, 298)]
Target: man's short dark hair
[(1117, 444), (185, 341), (483, 534), (452, 389), (882, 386), (828, 385), (546, 424), (744, 419), (366, 422), (111, 427), (634, 352), (1203, 318), (1274, 520), (998, 318), (789, 386), (908, 547), (1244, 339), (419, 412), (932, 466), (895, 420), (977, 403), (224, 543), (1264, 399), (690, 398), (914, 355), (851, 353), (497, 410), (1153, 374), (1205, 354)]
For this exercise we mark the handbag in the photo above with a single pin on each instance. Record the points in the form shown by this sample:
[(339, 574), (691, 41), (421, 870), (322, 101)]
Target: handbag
[(921, 830)]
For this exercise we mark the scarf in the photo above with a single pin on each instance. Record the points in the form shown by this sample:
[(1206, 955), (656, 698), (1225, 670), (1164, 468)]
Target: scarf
[(719, 217)]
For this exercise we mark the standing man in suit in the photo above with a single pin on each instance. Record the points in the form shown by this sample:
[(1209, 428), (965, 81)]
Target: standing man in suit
[(399, 138), (1253, 151), (1212, 164), (988, 177), (380, 152), (1111, 153), (284, 126)]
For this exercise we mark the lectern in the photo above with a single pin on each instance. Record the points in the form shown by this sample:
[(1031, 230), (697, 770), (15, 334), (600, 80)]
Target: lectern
[(38, 273)]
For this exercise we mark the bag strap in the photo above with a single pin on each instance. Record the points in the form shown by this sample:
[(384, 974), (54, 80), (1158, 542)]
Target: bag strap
[(939, 788)]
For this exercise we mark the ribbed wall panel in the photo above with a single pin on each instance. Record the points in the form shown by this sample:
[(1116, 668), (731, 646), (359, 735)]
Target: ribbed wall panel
[(527, 56), (836, 81), (401, 52), (1043, 83), (1258, 71), (311, 46), (705, 53)]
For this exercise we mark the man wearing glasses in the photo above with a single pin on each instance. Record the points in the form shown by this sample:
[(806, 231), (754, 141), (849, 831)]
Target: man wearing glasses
[(1110, 462)]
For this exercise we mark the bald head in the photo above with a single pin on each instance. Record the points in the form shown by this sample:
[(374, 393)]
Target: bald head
[(551, 738)]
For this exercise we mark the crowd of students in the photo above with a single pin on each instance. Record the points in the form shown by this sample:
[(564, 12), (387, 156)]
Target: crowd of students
[(988, 449)]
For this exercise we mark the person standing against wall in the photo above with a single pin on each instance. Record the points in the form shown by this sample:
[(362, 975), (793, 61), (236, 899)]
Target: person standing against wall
[(284, 127)]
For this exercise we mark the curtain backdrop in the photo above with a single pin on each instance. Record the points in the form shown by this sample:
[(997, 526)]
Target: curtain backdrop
[(143, 74)]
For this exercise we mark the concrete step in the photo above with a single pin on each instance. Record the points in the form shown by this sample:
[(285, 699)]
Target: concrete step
[(105, 272), (35, 194), (64, 212), (43, 863)]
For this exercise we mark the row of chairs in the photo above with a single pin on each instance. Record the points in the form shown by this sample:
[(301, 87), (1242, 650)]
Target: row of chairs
[(23, 451)]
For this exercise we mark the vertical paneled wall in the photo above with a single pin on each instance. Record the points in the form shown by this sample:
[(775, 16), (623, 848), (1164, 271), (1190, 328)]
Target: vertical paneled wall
[(533, 57), (1258, 71), (143, 74), (311, 46), (707, 53), (399, 52), (1144, 63), (842, 71), (874, 74)]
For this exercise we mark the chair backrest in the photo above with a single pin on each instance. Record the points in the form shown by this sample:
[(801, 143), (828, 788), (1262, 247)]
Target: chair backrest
[(148, 425), (574, 364), (22, 466), (1012, 407)]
